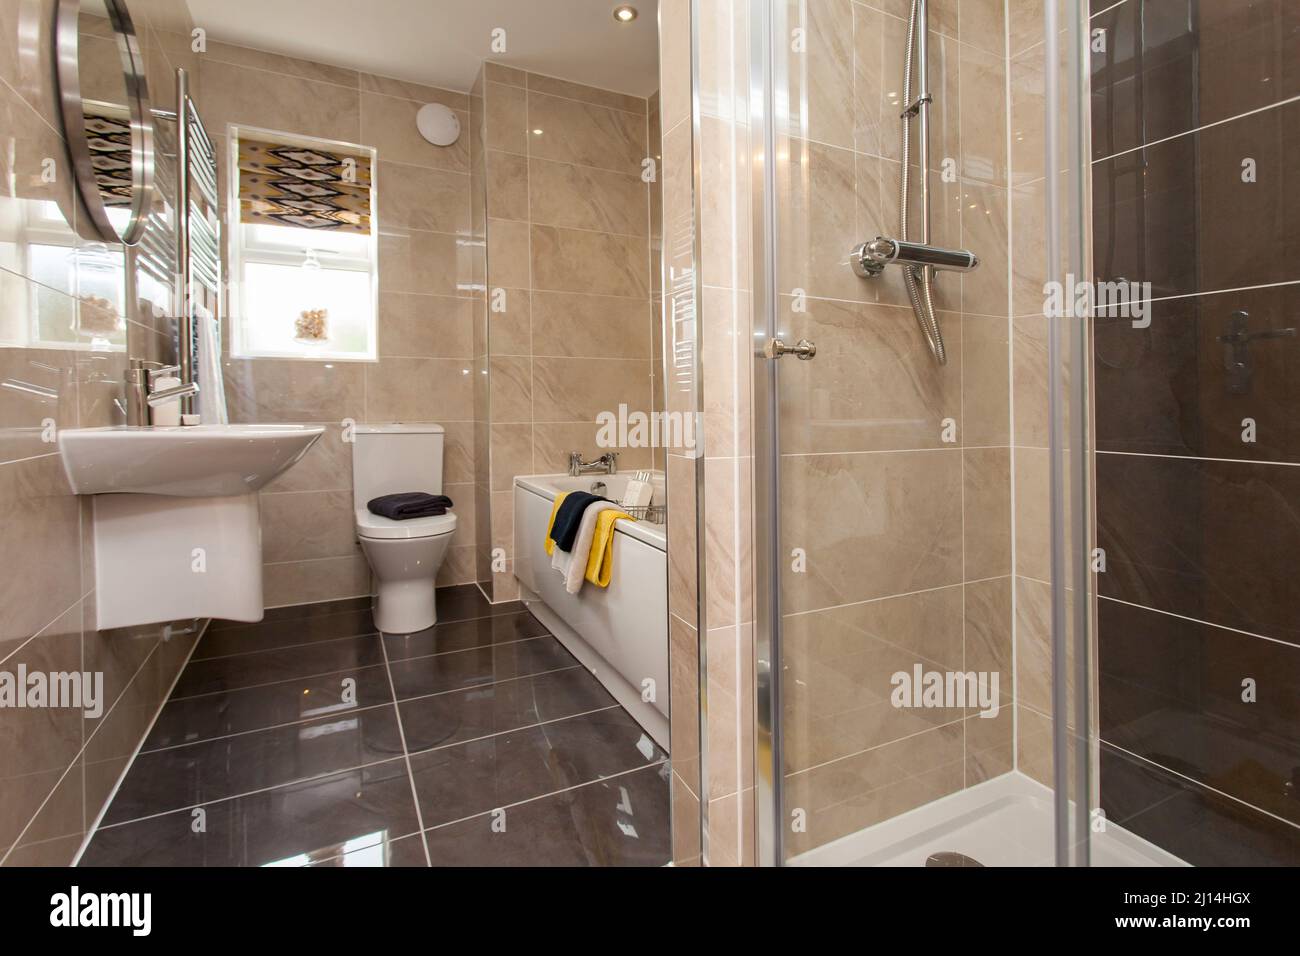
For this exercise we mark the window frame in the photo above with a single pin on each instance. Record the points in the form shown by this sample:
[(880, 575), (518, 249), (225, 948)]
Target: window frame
[(236, 305)]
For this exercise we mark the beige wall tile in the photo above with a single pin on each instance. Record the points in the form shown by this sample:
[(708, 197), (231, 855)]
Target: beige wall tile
[(988, 636), (1034, 745), (287, 104), (571, 260), (587, 94), (419, 390), (590, 326), (985, 232), (821, 74), (981, 23), (874, 384), (577, 390), (552, 442), (388, 125), (407, 90), (872, 524), (418, 197), (512, 389), (512, 454), (299, 526), (500, 73), (575, 132), (507, 185), (282, 391), (38, 744), (42, 554), (306, 582), (276, 63), (839, 663), (990, 746), (857, 791), (1031, 381), (987, 508), (816, 190), (986, 389), (507, 118), (425, 326), (983, 130), (675, 61), (433, 263), (582, 197), (509, 256), (510, 330)]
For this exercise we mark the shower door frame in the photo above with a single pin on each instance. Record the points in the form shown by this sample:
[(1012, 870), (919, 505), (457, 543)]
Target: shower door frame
[(1070, 450)]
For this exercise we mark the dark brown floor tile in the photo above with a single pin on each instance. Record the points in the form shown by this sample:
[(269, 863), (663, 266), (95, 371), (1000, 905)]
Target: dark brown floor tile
[(317, 819), (299, 612), (192, 719), (269, 667), (465, 601), (474, 777), (463, 635), (623, 821), (391, 854), (442, 672), (507, 705), (270, 635), (163, 780)]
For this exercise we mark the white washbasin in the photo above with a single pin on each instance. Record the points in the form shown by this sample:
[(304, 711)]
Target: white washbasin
[(196, 461)]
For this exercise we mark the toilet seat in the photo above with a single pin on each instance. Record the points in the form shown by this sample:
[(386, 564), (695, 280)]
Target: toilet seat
[(375, 527)]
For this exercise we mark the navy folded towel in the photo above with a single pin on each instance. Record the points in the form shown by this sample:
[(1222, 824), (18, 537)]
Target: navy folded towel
[(565, 530), (409, 504)]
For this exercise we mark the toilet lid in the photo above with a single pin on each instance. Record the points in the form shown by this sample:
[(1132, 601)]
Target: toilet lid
[(376, 526)]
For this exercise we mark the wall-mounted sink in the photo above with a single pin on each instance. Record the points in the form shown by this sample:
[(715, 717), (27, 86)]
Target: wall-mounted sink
[(198, 461), (177, 523)]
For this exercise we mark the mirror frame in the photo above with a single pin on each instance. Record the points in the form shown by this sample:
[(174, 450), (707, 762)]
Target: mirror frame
[(66, 34)]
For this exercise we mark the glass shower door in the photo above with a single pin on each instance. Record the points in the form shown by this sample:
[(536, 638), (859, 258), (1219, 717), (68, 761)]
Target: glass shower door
[(917, 620)]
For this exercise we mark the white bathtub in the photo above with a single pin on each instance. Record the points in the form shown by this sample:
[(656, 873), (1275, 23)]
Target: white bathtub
[(619, 633)]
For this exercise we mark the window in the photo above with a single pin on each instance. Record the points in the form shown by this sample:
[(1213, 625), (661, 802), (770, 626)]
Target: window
[(304, 247)]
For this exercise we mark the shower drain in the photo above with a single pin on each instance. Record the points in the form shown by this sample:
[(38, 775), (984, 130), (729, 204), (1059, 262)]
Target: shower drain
[(950, 858)]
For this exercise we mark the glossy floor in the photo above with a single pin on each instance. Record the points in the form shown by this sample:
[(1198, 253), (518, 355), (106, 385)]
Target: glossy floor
[(310, 739)]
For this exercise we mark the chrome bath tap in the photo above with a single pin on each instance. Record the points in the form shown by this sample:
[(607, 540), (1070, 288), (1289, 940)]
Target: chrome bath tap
[(606, 464)]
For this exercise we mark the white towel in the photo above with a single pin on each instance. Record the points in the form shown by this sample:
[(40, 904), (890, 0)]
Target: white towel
[(560, 561), (577, 569), (212, 396)]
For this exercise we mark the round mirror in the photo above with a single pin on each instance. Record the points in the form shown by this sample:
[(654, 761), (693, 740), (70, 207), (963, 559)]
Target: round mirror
[(107, 121)]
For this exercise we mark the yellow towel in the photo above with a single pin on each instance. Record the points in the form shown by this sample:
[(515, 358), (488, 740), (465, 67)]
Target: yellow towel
[(600, 563), (550, 525)]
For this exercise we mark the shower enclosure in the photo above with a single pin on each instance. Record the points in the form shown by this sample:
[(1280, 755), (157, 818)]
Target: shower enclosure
[(1024, 581)]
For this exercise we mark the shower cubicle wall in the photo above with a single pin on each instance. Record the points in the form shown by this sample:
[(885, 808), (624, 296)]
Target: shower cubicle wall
[(1085, 517)]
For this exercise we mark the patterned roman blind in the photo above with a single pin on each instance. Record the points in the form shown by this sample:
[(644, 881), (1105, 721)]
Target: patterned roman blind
[(108, 135), (307, 187)]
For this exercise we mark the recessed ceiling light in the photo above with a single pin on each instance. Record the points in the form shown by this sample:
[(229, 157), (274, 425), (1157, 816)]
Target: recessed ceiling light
[(625, 13), (537, 132)]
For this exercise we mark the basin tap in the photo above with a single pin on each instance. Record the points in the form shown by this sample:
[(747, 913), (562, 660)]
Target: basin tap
[(162, 396)]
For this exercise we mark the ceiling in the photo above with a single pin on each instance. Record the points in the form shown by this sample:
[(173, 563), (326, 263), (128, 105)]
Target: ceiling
[(442, 42)]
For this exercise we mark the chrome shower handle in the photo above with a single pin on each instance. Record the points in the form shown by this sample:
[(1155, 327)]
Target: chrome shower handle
[(803, 350)]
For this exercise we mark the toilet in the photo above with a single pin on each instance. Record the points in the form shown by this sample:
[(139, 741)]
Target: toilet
[(404, 556)]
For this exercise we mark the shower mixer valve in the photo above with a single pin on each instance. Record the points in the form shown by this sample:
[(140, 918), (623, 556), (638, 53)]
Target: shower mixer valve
[(870, 258)]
